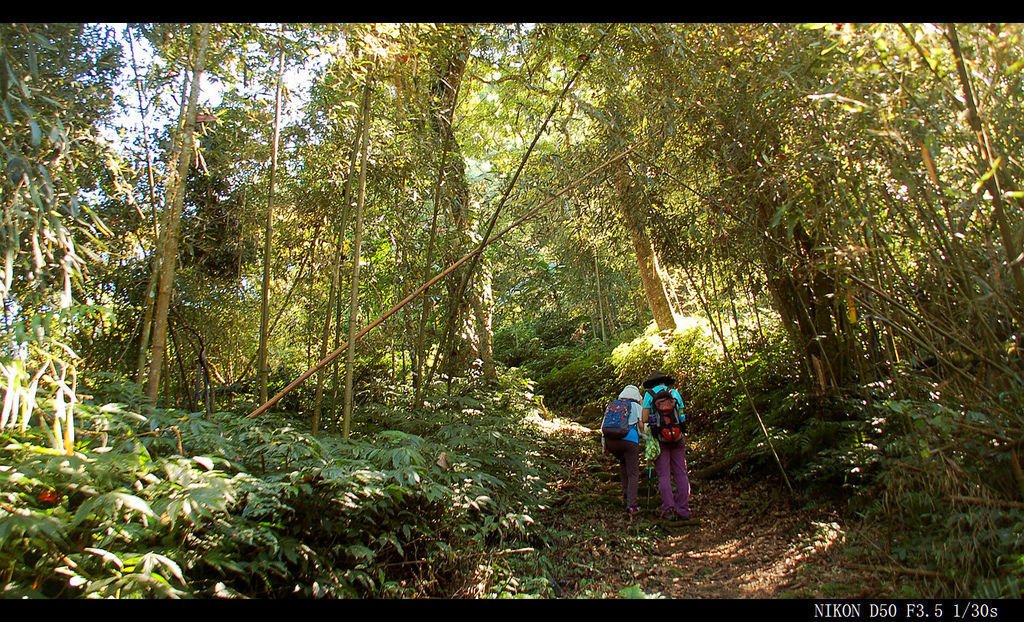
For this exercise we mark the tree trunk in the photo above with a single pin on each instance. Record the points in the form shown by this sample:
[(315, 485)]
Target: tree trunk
[(353, 317), (460, 333), (324, 336), (459, 341), (451, 169), (419, 355), (421, 373), (168, 247), (150, 301), (646, 260), (600, 311), (262, 366), (483, 307), (335, 284)]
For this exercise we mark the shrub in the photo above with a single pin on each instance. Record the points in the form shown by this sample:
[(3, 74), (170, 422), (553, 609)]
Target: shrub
[(177, 504)]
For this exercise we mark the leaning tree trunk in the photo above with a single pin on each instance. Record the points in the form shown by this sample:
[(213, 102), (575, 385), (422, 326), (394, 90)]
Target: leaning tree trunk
[(646, 260), (168, 246)]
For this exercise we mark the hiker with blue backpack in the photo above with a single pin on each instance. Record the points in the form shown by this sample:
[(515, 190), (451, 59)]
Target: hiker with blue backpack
[(621, 429), (663, 412)]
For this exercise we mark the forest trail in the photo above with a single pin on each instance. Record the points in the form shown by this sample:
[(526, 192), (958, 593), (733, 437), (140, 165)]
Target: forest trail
[(747, 539)]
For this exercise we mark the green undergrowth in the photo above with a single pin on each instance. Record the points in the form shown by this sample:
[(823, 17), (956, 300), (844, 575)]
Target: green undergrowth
[(947, 505), (929, 484), (177, 504), (826, 444)]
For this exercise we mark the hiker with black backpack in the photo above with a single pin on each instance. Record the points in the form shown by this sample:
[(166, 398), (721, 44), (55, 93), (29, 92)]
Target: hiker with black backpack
[(663, 412), (621, 429)]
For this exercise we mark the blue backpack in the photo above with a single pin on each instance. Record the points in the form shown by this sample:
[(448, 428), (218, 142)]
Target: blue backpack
[(616, 419)]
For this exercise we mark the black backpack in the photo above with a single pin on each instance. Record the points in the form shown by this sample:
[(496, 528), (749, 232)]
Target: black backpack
[(664, 418)]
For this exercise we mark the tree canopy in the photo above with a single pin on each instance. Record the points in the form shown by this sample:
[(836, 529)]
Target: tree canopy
[(286, 305)]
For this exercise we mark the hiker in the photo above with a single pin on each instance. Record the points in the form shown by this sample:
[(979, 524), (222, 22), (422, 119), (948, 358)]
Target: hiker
[(663, 411), (627, 448)]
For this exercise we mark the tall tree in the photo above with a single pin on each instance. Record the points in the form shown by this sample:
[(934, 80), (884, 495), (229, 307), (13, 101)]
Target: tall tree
[(353, 321), (262, 365), (173, 204), (630, 201), (461, 340), (334, 294)]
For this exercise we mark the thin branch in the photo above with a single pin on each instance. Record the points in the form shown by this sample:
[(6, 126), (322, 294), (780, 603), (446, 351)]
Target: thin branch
[(422, 288)]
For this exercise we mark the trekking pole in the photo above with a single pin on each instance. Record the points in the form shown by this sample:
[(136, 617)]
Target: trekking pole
[(650, 466)]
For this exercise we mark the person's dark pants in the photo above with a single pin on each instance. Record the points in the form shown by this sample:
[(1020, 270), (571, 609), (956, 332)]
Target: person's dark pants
[(628, 455)]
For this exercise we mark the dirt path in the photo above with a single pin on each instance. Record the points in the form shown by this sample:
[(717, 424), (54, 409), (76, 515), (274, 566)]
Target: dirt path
[(747, 539)]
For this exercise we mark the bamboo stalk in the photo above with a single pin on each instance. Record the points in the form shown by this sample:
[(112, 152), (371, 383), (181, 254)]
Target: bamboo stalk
[(449, 335), (739, 376), (988, 160), (1018, 473), (262, 366), (353, 314), (441, 275)]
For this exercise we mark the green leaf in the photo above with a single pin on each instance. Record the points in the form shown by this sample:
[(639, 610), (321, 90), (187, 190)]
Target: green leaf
[(31, 526), (151, 560), (987, 176), (106, 556), (777, 217), (635, 591), (132, 502), (206, 463), (112, 502), (359, 552)]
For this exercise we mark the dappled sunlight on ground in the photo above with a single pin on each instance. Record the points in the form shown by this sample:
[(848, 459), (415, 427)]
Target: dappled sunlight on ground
[(722, 551), (742, 547), (747, 539), (555, 425)]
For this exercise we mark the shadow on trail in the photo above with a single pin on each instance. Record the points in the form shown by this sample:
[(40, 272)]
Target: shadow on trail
[(747, 539)]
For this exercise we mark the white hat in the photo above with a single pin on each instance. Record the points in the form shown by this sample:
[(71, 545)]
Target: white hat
[(631, 392)]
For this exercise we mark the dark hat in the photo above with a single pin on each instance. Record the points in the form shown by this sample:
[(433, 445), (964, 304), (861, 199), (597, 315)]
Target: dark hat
[(657, 378)]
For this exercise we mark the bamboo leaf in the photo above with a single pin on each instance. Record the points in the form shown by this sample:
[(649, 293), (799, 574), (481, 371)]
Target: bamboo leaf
[(112, 501), (106, 556), (37, 134), (205, 462), (151, 560), (987, 176)]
